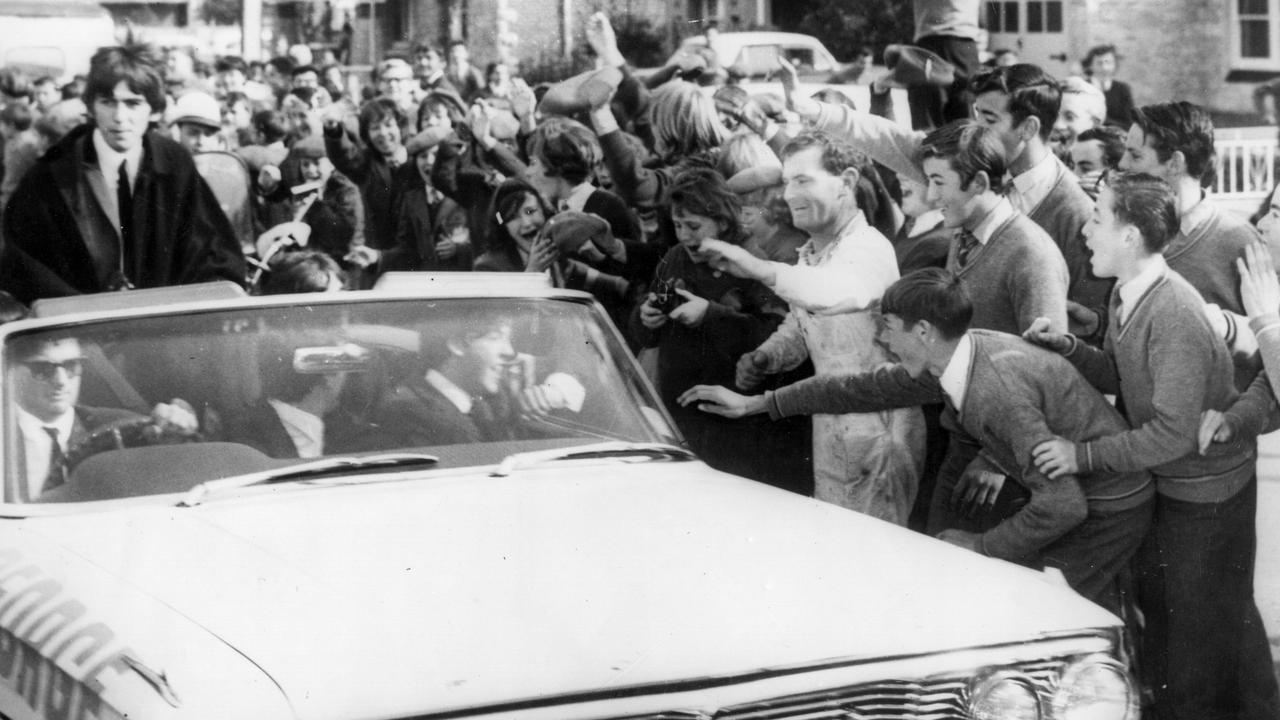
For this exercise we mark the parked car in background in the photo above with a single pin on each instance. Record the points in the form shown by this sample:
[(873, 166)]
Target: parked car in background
[(572, 562), (752, 57), (53, 37)]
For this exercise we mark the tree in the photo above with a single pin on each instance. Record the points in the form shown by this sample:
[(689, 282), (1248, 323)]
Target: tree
[(843, 26), (220, 12)]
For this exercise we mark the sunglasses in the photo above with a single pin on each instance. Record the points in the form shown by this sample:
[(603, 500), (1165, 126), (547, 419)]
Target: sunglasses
[(45, 370)]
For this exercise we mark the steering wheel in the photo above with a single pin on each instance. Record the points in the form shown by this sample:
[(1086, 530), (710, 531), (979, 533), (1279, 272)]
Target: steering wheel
[(123, 433)]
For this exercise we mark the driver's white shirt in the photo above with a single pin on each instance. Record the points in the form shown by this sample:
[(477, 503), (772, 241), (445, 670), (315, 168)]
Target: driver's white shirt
[(304, 429), (37, 445)]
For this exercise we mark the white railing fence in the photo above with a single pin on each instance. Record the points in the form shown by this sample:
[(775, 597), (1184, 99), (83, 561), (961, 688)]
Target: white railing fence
[(1246, 169)]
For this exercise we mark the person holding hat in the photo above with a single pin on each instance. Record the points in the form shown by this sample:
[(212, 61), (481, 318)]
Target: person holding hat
[(310, 190), (472, 164), (197, 122), (431, 229)]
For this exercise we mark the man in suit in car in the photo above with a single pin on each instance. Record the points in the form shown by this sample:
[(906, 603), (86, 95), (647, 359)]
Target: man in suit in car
[(52, 426), (475, 388)]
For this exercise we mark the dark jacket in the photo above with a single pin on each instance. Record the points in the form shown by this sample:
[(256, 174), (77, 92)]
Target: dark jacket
[(59, 239)]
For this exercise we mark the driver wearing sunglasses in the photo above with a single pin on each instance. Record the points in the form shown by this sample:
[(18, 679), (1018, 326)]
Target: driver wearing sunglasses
[(46, 377)]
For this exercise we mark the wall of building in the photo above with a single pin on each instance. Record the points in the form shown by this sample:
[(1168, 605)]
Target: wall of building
[(1164, 60)]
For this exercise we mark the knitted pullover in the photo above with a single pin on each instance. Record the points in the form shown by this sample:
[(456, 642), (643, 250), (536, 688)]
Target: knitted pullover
[(1168, 366), (1016, 277)]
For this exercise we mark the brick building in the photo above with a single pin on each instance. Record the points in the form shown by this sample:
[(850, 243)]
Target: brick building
[(1212, 52)]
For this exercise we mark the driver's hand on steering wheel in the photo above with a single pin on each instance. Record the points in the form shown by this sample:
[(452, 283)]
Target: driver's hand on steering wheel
[(175, 417)]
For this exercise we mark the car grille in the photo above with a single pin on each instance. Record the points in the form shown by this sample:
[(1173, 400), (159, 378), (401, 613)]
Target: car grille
[(943, 698)]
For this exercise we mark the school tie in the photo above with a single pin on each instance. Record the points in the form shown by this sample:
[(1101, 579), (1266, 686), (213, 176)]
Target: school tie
[(57, 462), (967, 243)]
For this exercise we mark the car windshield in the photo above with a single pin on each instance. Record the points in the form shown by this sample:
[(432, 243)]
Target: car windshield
[(160, 404)]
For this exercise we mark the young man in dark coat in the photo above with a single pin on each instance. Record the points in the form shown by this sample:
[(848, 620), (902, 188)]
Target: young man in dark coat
[(113, 206)]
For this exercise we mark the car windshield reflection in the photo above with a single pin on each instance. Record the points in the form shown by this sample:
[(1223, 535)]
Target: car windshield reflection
[(159, 405)]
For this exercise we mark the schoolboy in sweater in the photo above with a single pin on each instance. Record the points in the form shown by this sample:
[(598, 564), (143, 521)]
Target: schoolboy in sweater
[(1174, 141), (1205, 651), (1008, 396)]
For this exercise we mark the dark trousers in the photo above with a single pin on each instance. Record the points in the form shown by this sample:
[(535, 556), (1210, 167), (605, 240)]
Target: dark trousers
[(1095, 553), (1203, 649), (933, 107)]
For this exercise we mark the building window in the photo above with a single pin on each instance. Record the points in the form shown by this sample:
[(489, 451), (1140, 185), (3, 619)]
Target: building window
[(1002, 17), (1043, 16), (1254, 34)]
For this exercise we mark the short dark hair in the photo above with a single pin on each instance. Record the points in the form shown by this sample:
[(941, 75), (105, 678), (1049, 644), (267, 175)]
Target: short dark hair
[(300, 69), (301, 271), (1095, 52), (17, 114), (970, 148), (377, 110), (14, 83), (424, 46), (934, 295), (1149, 204), (282, 64), (271, 124), (1032, 92), (134, 65), (1180, 126), (229, 63), (703, 191), (1112, 140), (456, 42), (837, 154), (567, 149)]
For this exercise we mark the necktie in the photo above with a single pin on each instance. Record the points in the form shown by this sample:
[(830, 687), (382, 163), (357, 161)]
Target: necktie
[(124, 202), (57, 466), (968, 243)]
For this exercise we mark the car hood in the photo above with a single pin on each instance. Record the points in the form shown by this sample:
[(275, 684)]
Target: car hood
[(462, 590)]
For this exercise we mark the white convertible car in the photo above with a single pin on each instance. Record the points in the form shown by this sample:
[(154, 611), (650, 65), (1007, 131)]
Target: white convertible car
[(560, 556)]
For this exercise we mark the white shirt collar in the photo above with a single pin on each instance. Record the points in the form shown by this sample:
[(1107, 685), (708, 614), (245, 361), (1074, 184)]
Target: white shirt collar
[(1032, 186), (999, 214), (955, 377), (1195, 214), (452, 392), (306, 430), (1133, 290), (109, 160), (37, 445), (577, 197), (925, 222)]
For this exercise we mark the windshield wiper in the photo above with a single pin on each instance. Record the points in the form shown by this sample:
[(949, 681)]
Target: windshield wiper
[(302, 471), (663, 451)]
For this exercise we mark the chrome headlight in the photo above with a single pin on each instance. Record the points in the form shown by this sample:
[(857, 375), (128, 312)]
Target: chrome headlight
[(1004, 695), (1096, 687)]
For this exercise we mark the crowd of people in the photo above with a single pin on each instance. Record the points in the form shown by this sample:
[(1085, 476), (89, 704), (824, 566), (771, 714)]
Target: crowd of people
[(1023, 328)]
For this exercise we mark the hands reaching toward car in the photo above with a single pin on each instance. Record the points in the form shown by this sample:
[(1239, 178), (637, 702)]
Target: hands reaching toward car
[(722, 401), (736, 260)]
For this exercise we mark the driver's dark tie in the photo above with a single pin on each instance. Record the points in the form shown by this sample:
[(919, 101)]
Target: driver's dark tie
[(57, 462)]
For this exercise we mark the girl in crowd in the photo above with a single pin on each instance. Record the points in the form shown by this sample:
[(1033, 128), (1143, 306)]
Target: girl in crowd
[(701, 320)]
